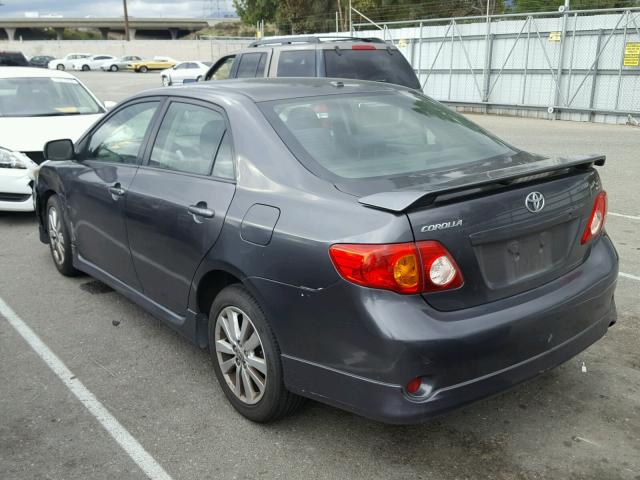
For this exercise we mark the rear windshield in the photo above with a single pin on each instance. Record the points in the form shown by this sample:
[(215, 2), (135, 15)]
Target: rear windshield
[(388, 66), (356, 137)]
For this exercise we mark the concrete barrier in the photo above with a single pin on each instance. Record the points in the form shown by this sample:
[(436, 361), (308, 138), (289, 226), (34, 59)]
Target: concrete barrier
[(178, 49)]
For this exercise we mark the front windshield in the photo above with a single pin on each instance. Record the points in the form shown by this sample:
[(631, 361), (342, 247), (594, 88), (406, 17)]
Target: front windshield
[(44, 96), (380, 135)]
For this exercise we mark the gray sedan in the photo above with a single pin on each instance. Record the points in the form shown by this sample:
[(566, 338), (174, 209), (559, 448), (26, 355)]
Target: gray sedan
[(352, 242), (120, 63)]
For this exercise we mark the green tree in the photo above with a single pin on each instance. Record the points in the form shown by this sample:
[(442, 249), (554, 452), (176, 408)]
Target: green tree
[(252, 11)]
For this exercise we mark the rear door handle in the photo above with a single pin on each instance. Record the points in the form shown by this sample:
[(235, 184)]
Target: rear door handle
[(201, 211)]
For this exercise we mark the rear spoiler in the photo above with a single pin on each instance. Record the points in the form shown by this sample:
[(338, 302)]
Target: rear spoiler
[(400, 200)]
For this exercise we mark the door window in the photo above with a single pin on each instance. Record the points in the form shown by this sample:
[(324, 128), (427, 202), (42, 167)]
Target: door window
[(189, 139), (249, 63), (223, 69), (297, 63), (120, 137)]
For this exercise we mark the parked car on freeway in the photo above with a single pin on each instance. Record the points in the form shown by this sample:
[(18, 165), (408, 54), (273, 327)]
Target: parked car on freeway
[(184, 72), (13, 59), (353, 242), (40, 61), (120, 63), (344, 57), (37, 106), (68, 61), (94, 62), (156, 63)]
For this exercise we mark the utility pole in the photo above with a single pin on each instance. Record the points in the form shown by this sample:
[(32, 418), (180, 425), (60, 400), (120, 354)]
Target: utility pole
[(126, 21)]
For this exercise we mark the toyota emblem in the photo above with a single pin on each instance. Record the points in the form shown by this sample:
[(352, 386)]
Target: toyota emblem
[(534, 202)]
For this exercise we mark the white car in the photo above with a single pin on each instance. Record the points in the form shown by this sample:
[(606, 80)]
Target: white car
[(94, 62), (184, 72), (68, 61), (37, 106)]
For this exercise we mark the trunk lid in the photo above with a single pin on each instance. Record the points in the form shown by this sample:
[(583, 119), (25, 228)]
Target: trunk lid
[(501, 246), (488, 220)]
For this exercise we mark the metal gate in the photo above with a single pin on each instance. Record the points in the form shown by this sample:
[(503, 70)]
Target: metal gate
[(578, 65)]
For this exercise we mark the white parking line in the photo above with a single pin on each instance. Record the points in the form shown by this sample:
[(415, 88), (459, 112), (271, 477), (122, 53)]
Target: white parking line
[(129, 444), (628, 275), (622, 215)]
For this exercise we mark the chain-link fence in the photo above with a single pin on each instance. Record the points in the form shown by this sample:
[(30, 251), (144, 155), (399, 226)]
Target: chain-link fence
[(578, 65)]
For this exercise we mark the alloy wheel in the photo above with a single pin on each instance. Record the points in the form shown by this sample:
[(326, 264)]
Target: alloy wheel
[(56, 236), (240, 355)]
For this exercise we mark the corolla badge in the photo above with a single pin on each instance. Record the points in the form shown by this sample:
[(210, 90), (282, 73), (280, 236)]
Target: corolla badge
[(441, 226), (534, 202)]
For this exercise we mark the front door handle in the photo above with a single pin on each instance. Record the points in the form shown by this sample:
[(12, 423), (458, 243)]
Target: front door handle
[(116, 191), (201, 210)]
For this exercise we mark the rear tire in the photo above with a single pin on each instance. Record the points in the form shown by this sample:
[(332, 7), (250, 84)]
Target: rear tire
[(60, 67), (85, 68), (59, 238), (242, 344), (143, 69), (113, 68)]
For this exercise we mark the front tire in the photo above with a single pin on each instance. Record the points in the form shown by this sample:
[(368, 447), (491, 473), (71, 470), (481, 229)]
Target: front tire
[(113, 68), (85, 68), (60, 67), (166, 82), (143, 69), (59, 238), (246, 357)]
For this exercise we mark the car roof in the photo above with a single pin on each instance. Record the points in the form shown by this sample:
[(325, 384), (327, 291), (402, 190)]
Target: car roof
[(268, 89), (15, 72)]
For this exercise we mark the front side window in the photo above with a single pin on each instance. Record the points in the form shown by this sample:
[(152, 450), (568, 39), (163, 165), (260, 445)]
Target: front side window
[(223, 70), (42, 96), (189, 139), (396, 134), (120, 137), (297, 63)]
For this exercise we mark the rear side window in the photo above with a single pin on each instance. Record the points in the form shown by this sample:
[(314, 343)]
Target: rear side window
[(297, 63), (189, 139), (388, 66), (249, 63)]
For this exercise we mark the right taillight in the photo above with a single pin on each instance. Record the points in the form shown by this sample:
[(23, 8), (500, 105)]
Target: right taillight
[(401, 267), (596, 219), (440, 270)]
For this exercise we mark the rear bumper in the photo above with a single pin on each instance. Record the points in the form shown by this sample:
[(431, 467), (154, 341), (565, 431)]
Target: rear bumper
[(356, 348), (388, 403)]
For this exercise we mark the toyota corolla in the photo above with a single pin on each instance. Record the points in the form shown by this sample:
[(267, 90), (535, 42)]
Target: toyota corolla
[(347, 241)]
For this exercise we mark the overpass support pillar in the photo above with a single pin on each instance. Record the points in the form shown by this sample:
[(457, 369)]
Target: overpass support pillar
[(104, 33), (174, 33), (132, 33), (59, 33), (11, 33)]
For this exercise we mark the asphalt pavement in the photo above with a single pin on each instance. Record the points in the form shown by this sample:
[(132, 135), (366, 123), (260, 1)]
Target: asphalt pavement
[(567, 424)]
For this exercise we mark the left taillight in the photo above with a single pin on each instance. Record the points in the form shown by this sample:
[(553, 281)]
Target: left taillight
[(406, 268), (596, 219)]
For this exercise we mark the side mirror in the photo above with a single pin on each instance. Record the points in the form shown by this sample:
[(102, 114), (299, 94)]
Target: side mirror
[(109, 104), (58, 150)]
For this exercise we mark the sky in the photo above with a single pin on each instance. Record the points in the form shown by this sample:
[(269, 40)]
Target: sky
[(113, 8)]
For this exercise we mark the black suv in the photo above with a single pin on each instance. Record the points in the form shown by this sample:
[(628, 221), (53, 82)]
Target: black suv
[(335, 57)]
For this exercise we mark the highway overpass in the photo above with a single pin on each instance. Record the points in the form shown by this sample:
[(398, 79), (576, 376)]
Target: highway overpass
[(174, 26)]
